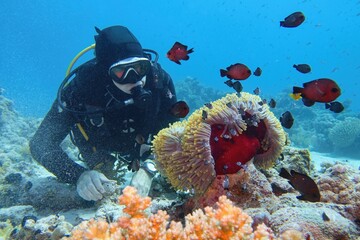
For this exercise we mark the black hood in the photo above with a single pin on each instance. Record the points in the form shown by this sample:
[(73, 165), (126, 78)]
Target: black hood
[(114, 44)]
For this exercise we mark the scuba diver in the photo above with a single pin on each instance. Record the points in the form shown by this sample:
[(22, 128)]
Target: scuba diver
[(111, 106)]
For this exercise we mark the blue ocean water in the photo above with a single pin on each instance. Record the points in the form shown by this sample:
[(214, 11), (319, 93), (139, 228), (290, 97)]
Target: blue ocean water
[(40, 38)]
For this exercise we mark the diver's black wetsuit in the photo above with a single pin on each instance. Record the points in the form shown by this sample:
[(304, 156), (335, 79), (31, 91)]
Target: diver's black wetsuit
[(112, 130)]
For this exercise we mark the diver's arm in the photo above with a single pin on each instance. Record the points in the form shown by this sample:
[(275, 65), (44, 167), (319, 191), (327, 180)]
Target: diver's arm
[(45, 145)]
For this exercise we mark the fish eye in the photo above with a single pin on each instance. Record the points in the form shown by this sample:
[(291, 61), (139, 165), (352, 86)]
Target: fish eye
[(334, 90)]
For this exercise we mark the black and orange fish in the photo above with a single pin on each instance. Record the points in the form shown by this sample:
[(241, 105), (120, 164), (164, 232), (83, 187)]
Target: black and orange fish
[(179, 52), (293, 20), (237, 71), (179, 109), (304, 184), (322, 90)]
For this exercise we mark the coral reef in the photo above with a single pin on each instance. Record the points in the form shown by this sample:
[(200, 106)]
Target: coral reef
[(51, 227), (194, 94), (218, 139), (224, 222), (28, 190), (296, 159), (341, 184), (312, 223), (345, 134)]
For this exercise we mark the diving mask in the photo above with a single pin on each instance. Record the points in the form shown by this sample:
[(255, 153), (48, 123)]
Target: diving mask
[(129, 70)]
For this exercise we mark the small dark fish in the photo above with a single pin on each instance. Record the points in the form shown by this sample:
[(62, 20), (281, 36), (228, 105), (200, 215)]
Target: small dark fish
[(335, 107), (179, 109), (304, 184), (325, 217), (229, 105), (208, 105), (293, 20), (204, 115), (237, 71), (303, 68), (179, 52), (229, 83), (287, 120), (257, 72), (237, 86), (257, 91), (272, 103)]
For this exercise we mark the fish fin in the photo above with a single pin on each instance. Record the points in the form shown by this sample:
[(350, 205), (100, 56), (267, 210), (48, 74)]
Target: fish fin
[(190, 50), (178, 62), (223, 72), (308, 102), (295, 96), (285, 174), (182, 45), (295, 66), (186, 57), (297, 89), (292, 185), (327, 105), (97, 30), (282, 23), (301, 197), (307, 83)]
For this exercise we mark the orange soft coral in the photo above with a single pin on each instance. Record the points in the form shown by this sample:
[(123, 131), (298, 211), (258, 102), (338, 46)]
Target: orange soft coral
[(226, 221)]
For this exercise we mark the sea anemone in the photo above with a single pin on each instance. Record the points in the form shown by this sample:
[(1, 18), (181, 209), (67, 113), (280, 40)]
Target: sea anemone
[(218, 139)]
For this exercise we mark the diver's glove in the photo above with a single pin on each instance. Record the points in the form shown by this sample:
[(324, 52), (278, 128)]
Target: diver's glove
[(90, 185)]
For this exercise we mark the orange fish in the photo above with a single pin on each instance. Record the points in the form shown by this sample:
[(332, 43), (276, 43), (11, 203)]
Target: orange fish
[(179, 52), (179, 109), (237, 71), (322, 90)]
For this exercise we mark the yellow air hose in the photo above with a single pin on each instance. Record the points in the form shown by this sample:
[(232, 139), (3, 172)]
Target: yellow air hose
[(77, 57), (68, 70)]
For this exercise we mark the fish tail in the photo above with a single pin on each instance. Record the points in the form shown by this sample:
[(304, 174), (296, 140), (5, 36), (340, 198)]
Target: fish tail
[(281, 23), (327, 105), (295, 96), (223, 72), (297, 90), (190, 50), (294, 65), (285, 174)]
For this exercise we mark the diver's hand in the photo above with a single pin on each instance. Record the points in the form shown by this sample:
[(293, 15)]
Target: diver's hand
[(90, 185)]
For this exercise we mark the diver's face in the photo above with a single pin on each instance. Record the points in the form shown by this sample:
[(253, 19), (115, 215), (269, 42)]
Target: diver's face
[(126, 88)]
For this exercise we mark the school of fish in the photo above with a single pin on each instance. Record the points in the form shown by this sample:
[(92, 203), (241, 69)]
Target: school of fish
[(321, 90)]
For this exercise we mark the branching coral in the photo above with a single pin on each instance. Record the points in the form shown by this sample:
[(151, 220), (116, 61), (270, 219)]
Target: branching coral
[(224, 222)]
